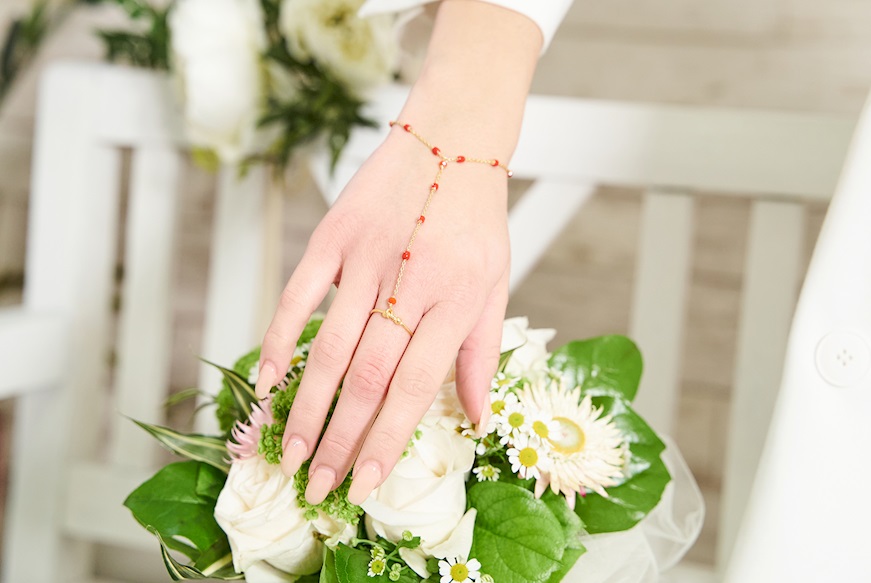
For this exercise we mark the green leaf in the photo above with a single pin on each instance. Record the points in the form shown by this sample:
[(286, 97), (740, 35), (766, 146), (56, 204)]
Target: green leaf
[(179, 503), (572, 528), (352, 566), (182, 396), (647, 475), (242, 392), (179, 572), (504, 358), (517, 537), (607, 365), (202, 448), (328, 571)]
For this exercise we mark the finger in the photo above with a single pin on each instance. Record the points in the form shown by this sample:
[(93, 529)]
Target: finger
[(301, 296), (327, 362), (417, 380), (363, 391), (478, 358)]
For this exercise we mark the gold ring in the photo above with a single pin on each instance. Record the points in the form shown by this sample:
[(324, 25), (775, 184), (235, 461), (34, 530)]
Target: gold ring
[(390, 315)]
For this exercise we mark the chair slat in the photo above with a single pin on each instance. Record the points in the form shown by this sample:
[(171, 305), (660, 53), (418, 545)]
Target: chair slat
[(70, 264), (773, 269), (25, 339), (232, 325), (145, 333), (662, 277), (538, 218)]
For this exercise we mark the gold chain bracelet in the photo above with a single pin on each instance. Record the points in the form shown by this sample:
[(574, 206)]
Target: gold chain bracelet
[(388, 313)]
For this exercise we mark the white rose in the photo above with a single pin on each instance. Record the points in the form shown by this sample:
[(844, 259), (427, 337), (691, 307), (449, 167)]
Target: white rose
[(359, 52), (216, 48), (426, 494), (530, 346), (259, 511), (445, 410)]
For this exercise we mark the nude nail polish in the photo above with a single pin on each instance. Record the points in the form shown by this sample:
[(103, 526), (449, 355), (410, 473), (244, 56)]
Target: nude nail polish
[(320, 483), (366, 478), (295, 453), (265, 379), (484, 421)]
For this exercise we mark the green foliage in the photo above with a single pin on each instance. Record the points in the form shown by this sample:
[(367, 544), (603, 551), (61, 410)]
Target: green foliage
[(607, 365), (608, 368), (352, 566), (145, 46), (517, 537), (335, 504), (22, 39), (178, 504), (646, 478), (201, 448), (234, 399), (221, 569)]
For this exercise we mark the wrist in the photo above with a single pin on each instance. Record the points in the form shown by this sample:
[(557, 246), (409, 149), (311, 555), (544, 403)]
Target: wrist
[(470, 95)]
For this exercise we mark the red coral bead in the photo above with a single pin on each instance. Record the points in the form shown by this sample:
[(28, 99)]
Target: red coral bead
[(461, 159), (391, 300), (435, 186), (443, 163), (436, 151), (421, 219), (407, 255), (406, 127), (495, 162)]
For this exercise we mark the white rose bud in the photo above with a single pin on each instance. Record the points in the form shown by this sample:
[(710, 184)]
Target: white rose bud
[(360, 52), (530, 346), (259, 511), (216, 48), (426, 494)]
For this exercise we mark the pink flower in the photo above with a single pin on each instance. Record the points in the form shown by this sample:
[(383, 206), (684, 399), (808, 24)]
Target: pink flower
[(246, 436)]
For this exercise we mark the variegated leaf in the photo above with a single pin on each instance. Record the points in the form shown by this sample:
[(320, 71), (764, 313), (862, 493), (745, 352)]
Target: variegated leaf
[(201, 448)]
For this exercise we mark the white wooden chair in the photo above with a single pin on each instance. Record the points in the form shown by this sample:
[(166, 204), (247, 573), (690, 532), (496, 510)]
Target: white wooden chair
[(66, 492)]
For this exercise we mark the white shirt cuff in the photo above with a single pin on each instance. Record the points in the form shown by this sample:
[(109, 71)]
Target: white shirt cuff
[(547, 14)]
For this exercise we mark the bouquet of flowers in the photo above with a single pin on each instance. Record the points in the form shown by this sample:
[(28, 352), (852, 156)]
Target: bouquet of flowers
[(257, 79), (564, 457)]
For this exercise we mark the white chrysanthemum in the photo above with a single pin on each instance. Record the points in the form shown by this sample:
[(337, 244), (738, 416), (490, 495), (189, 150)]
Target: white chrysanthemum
[(487, 473), (528, 459), (512, 422), (457, 571), (541, 426), (587, 450)]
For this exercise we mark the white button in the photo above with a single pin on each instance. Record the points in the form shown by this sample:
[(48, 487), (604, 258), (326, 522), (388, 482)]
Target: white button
[(843, 358)]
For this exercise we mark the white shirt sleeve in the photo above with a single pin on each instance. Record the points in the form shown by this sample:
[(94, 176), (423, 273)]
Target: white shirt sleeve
[(547, 14)]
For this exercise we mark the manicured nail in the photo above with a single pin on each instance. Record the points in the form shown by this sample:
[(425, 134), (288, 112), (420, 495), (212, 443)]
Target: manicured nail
[(295, 452), (484, 421), (319, 485), (266, 379), (366, 479)]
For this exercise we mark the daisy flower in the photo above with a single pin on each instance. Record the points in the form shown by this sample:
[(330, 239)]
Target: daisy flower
[(503, 381), (542, 426), (512, 422), (377, 567), (586, 449), (527, 458), (487, 473), (457, 571)]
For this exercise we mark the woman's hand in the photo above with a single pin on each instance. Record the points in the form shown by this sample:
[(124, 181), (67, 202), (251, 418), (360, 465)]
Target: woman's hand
[(455, 286), (453, 295)]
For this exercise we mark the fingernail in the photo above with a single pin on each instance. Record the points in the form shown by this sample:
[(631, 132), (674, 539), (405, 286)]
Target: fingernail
[(295, 453), (319, 485), (366, 478), (484, 421), (265, 379)]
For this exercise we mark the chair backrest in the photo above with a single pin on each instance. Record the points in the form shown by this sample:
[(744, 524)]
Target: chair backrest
[(68, 484)]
